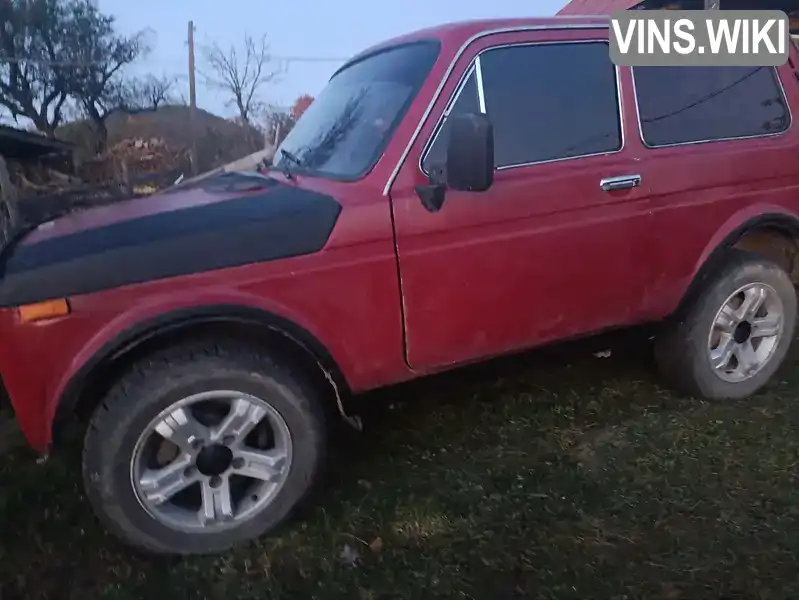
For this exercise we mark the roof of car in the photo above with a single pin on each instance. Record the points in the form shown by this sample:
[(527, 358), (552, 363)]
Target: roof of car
[(459, 32)]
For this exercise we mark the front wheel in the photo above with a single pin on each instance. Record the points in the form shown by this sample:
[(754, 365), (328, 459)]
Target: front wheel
[(735, 335), (202, 447)]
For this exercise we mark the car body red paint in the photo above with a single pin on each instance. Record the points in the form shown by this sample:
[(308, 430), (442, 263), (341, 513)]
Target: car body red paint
[(398, 292)]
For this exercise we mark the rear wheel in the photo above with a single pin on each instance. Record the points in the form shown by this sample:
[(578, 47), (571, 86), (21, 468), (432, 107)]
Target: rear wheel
[(201, 448), (735, 335)]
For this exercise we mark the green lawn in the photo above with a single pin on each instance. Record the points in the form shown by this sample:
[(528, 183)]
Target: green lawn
[(552, 475)]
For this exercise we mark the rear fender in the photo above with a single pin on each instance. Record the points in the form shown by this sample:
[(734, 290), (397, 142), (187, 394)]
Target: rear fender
[(753, 218)]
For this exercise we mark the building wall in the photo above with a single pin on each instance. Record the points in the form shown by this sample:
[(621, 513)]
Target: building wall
[(596, 7), (605, 7)]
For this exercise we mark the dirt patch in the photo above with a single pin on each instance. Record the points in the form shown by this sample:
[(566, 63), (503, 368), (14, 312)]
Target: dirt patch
[(590, 447)]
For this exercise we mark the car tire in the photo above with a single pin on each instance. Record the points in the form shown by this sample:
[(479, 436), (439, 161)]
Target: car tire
[(147, 408), (713, 327)]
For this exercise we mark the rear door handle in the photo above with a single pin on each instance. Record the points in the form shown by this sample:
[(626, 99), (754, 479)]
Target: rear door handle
[(620, 183)]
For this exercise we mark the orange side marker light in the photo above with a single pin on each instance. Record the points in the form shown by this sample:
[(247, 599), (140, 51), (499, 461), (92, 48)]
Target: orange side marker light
[(49, 309)]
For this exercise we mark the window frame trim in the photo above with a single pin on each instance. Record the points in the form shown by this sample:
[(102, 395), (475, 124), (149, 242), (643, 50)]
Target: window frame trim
[(456, 94), (775, 73), (474, 67)]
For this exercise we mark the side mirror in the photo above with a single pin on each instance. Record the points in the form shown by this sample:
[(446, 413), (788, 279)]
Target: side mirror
[(470, 153), (468, 164)]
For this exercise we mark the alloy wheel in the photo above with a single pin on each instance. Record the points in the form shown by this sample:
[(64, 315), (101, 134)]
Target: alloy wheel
[(211, 461)]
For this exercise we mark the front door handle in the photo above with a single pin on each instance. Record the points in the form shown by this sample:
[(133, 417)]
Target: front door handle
[(620, 183)]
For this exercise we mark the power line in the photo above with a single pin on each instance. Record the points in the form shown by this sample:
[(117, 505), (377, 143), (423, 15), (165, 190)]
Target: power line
[(310, 59), (79, 64), (52, 63)]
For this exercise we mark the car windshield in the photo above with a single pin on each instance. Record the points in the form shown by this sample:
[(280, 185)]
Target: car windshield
[(346, 128)]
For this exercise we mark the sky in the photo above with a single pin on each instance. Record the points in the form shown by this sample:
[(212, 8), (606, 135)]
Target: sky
[(295, 28)]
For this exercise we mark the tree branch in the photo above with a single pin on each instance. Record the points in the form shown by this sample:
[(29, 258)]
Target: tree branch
[(242, 80)]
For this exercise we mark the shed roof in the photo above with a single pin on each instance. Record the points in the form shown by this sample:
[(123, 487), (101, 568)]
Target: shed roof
[(25, 145), (596, 7), (605, 7)]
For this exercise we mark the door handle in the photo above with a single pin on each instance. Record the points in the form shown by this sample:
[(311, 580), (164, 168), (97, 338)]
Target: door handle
[(608, 184)]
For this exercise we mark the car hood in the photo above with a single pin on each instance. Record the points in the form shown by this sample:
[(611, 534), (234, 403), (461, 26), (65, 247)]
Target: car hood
[(222, 221)]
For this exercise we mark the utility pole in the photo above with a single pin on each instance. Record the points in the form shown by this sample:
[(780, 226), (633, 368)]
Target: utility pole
[(192, 102)]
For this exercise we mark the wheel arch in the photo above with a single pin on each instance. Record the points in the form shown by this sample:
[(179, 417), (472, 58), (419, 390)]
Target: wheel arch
[(85, 387), (773, 234)]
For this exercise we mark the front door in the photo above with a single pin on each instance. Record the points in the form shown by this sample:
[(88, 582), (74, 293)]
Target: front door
[(545, 253)]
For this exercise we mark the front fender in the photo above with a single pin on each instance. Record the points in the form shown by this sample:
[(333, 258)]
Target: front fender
[(159, 311)]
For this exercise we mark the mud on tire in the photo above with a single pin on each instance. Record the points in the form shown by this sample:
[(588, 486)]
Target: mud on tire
[(241, 469), (718, 348)]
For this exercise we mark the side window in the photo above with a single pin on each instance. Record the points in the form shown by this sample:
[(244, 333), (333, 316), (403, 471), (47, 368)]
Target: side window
[(466, 101), (545, 101), (551, 101), (679, 105)]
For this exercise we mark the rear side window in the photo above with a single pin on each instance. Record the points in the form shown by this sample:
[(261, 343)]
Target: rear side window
[(681, 105), (545, 101)]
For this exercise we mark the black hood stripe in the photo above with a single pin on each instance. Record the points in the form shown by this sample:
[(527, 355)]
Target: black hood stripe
[(283, 222)]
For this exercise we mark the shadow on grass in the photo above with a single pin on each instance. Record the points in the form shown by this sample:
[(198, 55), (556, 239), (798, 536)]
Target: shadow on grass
[(553, 474)]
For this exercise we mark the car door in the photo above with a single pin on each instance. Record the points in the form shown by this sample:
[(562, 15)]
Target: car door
[(546, 252)]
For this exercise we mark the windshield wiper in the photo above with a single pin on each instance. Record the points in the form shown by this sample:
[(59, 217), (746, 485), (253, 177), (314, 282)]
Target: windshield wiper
[(291, 158)]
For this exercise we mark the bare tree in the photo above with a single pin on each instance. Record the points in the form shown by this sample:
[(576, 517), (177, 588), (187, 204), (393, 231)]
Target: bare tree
[(34, 82), (240, 73), (98, 84), (56, 53), (150, 93)]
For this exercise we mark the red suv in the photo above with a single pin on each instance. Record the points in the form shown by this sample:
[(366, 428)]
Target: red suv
[(452, 195)]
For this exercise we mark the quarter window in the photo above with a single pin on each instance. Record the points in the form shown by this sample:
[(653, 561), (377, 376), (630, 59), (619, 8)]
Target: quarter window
[(465, 102), (545, 101), (681, 105)]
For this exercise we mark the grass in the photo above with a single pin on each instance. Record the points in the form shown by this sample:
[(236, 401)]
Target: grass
[(552, 475)]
